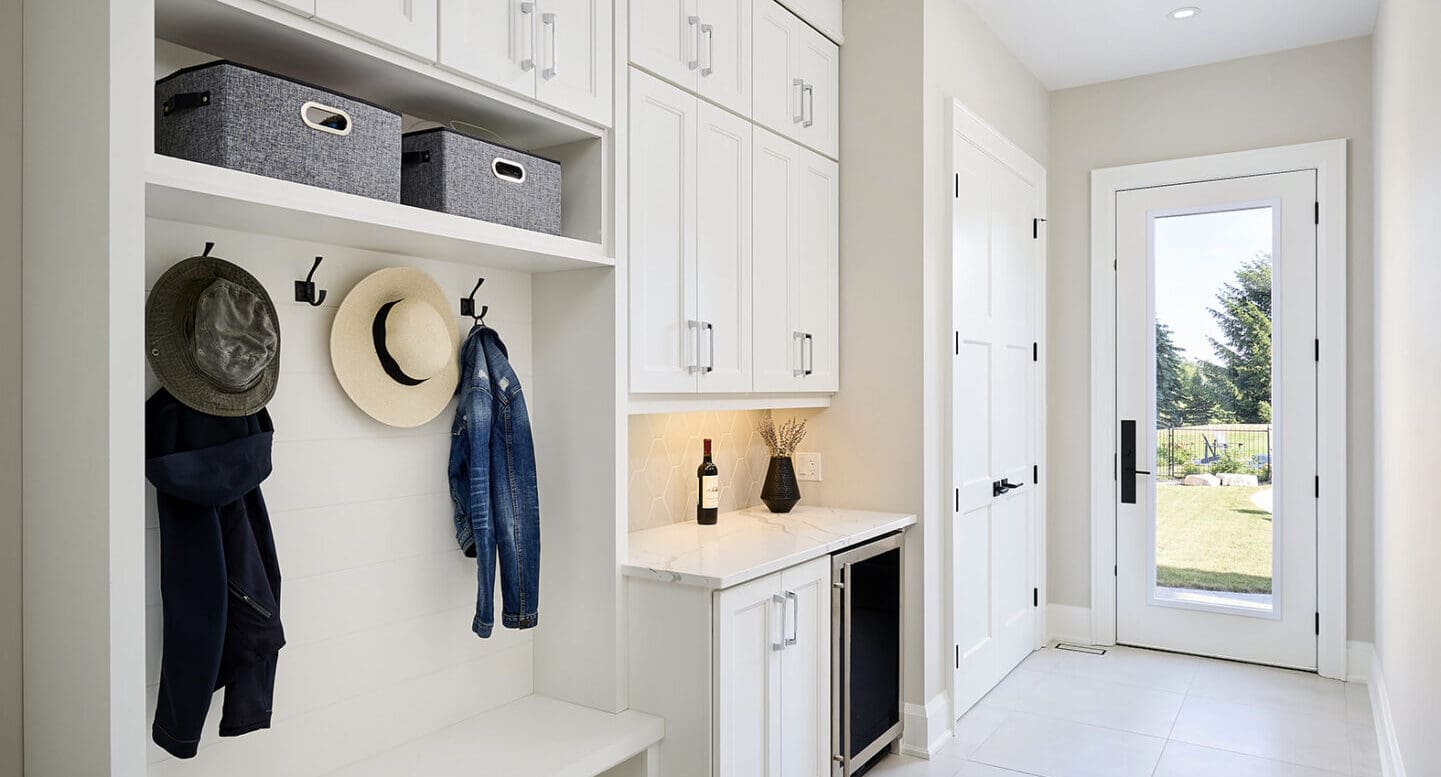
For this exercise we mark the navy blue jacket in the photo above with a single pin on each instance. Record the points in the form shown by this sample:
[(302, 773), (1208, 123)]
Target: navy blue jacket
[(219, 578)]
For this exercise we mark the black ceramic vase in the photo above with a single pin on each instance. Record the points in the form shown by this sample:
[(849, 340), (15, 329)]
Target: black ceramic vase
[(781, 492)]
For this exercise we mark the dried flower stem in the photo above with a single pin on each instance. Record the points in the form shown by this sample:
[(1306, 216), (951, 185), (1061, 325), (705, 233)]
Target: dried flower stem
[(784, 439)]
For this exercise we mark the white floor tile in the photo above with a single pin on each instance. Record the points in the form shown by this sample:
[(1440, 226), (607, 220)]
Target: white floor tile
[(1051, 747), (1186, 760), (974, 728), (1268, 687), (1045, 660), (1365, 750), (1267, 732), (973, 769), (1105, 703), (1015, 690), (1358, 705), (905, 766), (1146, 668)]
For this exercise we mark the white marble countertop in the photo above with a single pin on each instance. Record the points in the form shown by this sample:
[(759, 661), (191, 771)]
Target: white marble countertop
[(751, 543)]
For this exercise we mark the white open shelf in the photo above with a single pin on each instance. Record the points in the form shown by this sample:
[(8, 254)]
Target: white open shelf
[(180, 190), (531, 736)]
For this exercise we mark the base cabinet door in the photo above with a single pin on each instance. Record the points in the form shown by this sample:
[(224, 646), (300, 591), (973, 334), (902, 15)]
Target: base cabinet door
[(664, 325), (805, 672), (405, 25), (749, 642)]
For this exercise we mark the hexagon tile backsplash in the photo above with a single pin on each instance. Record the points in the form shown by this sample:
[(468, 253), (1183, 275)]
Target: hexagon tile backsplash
[(665, 450)]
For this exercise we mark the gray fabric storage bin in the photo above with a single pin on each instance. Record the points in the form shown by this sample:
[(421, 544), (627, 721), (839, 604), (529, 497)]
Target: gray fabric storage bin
[(238, 117), (447, 171)]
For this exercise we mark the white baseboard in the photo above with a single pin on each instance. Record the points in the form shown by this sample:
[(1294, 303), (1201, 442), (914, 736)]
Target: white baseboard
[(926, 728), (1391, 764), (1067, 623), (1359, 658)]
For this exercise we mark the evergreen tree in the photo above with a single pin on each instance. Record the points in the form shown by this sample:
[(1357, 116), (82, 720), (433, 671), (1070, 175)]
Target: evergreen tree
[(1243, 313), (1169, 379)]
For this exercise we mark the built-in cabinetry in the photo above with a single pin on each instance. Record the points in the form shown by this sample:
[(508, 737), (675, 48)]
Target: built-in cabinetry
[(690, 253), (557, 51), (734, 250), (405, 25)]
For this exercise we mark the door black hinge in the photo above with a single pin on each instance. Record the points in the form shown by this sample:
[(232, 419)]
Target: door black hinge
[(1318, 213), (1318, 624), (1036, 228), (958, 656), (958, 500), (1035, 352), (1036, 474), (1035, 597), (1318, 349), (1318, 486), (1116, 571), (958, 186), (958, 343)]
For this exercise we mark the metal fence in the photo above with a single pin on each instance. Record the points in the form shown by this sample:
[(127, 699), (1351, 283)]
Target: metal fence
[(1183, 448)]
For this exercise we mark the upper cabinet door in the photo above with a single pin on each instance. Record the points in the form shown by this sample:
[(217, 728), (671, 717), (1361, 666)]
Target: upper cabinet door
[(776, 340), (723, 229), (408, 26), (819, 70), (725, 61), (665, 38), (818, 272), (805, 681), (574, 57), (491, 40), (306, 7), (824, 15), (777, 86), (664, 325)]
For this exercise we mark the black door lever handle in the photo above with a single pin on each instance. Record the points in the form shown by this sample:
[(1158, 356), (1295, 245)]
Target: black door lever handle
[(1003, 486)]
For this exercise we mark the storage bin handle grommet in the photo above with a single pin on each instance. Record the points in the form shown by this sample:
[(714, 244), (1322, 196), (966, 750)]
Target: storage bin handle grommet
[(508, 170), (185, 101), (325, 124)]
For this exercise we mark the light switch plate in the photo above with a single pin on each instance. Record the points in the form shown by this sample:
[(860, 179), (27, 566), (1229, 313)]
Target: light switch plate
[(808, 466)]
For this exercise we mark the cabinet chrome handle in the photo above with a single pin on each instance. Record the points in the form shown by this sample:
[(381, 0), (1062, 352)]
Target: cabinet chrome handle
[(782, 642), (708, 32), (800, 100), (810, 345), (527, 9), (693, 362), (694, 22), (710, 362), (550, 21), (808, 95), (795, 618), (799, 338)]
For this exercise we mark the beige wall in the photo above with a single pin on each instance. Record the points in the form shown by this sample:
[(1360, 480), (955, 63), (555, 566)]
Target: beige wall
[(1408, 370), (902, 63), (10, 648), (1308, 94)]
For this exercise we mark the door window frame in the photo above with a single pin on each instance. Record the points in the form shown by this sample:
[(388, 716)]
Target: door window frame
[(1328, 159)]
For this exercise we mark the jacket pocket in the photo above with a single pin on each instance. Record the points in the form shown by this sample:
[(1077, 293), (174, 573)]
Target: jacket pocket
[(249, 601)]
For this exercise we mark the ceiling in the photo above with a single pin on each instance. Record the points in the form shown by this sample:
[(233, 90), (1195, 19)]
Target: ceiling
[(1069, 43)]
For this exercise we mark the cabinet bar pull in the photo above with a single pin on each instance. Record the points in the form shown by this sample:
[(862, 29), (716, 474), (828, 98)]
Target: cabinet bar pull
[(781, 643), (550, 20), (800, 100), (710, 362), (693, 362), (528, 64), (800, 340), (694, 22), (795, 618), (808, 95), (708, 32), (810, 345)]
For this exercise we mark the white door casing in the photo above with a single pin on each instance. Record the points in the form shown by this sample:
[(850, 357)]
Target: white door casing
[(996, 539), (1283, 635)]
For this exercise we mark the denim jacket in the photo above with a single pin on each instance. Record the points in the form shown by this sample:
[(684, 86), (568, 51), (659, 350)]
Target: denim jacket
[(493, 483)]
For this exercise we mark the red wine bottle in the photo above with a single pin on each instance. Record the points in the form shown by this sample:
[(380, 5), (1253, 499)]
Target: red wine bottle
[(707, 506)]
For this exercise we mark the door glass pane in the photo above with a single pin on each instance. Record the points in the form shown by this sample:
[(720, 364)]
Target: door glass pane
[(1213, 530)]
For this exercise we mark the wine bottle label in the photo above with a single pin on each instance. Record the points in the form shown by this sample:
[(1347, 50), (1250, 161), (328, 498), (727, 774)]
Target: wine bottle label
[(710, 491)]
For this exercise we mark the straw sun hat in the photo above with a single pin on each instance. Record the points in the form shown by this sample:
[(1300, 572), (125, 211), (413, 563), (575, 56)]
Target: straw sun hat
[(394, 345)]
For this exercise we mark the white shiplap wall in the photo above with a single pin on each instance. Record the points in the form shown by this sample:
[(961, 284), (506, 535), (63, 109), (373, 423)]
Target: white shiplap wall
[(377, 600)]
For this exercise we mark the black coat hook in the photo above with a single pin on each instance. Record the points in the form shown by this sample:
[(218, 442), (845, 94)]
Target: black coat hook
[(467, 305), (305, 290)]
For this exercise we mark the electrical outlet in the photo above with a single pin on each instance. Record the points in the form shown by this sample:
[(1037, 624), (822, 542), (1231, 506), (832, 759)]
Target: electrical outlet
[(808, 466)]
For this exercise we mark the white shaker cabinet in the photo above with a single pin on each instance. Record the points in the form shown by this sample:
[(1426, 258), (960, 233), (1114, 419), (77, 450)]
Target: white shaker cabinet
[(306, 7), (796, 266), (773, 675), (408, 26), (700, 45), (690, 252), (796, 79), (557, 51)]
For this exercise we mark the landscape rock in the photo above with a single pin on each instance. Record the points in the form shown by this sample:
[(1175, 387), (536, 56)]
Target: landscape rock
[(1201, 480), (1237, 479)]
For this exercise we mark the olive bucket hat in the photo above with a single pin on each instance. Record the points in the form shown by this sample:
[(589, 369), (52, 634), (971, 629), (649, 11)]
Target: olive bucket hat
[(212, 337)]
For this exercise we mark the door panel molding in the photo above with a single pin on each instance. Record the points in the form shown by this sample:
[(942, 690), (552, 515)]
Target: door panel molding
[(1328, 159)]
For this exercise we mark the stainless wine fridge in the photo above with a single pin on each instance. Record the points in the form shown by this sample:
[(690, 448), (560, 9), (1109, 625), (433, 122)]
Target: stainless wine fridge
[(866, 601)]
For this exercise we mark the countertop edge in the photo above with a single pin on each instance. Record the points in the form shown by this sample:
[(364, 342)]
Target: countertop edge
[(769, 567)]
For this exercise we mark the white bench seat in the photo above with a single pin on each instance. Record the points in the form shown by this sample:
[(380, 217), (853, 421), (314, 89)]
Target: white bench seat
[(535, 735)]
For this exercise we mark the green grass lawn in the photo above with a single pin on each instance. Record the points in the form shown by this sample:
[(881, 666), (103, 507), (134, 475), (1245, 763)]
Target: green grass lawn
[(1213, 539)]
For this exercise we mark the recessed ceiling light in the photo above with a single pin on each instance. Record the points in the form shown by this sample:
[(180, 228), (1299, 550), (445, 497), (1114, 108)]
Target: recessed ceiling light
[(1185, 13)]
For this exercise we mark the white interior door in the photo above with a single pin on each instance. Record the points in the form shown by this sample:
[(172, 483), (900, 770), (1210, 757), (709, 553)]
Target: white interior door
[(723, 228), (1216, 396), (995, 265)]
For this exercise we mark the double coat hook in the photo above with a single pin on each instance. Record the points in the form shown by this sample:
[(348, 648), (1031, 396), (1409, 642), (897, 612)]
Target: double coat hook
[(467, 305), (305, 290)]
